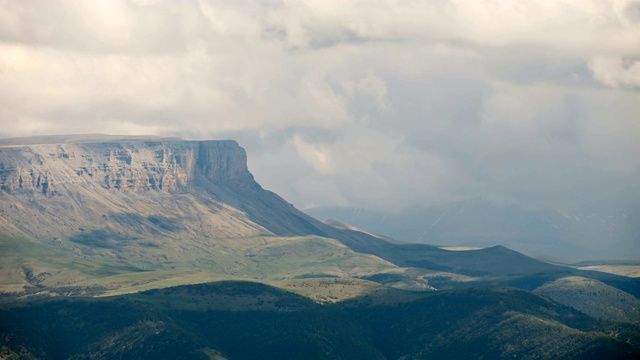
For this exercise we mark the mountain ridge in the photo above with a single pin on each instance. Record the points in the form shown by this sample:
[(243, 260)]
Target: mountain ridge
[(91, 217)]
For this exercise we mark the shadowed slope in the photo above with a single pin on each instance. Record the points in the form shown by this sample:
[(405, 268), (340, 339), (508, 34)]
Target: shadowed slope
[(241, 320)]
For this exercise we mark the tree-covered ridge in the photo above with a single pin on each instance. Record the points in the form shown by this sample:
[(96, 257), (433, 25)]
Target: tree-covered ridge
[(246, 320)]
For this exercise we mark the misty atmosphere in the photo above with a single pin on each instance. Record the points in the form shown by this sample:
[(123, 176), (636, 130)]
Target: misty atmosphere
[(319, 179)]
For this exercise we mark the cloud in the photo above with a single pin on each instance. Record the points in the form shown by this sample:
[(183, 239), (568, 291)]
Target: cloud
[(616, 71), (367, 103)]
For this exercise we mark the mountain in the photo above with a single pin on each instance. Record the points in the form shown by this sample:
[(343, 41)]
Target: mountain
[(597, 231), (89, 218), (107, 207), (133, 187), (96, 206), (102, 207)]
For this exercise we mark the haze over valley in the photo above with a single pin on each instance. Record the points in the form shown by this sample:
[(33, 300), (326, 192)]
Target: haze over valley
[(596, 232)]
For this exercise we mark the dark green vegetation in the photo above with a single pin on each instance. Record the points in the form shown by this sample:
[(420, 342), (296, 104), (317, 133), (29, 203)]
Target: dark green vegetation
[(593, 297), (244, 320)]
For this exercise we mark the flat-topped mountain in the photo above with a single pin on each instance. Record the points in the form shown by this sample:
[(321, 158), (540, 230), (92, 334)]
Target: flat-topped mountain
[(95, 207), (101, 215), (136, 165), (57, 190), (60, 190)]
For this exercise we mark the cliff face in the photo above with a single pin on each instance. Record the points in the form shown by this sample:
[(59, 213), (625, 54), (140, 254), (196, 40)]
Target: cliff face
[(115, 197), (163, 166), (134, 204), (128, 188)]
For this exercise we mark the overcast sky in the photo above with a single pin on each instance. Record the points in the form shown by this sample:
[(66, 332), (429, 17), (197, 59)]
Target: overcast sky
[(375, 104)]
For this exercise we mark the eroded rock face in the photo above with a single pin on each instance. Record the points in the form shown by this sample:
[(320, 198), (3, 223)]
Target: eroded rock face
[(133, 165), (106, 191), (128, 188)]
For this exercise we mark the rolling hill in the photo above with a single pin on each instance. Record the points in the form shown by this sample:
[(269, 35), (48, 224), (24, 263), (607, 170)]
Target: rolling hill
[(247, 320)]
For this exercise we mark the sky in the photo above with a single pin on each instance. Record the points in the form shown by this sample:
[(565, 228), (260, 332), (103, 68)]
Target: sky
[(373, 104)]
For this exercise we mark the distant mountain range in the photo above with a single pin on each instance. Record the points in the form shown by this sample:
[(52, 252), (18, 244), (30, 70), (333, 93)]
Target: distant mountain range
[(87, 217), (595, 233)]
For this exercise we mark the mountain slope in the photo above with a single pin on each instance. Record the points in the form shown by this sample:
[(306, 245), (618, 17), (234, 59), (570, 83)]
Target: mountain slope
[(169, 199), (132, 188), (593, 298), (98, 214), (145, 217), (242, 320)]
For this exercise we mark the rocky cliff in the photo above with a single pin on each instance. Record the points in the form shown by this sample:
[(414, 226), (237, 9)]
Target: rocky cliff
[(76, 209), (136, 166), (126, 187)]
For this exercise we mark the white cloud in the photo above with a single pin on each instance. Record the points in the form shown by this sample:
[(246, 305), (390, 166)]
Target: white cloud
[(370, 85), (616, 71), (376, 103), (315, 155)]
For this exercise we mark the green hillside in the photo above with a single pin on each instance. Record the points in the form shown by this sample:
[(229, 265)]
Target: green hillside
[(245, 320), (594, 298)]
